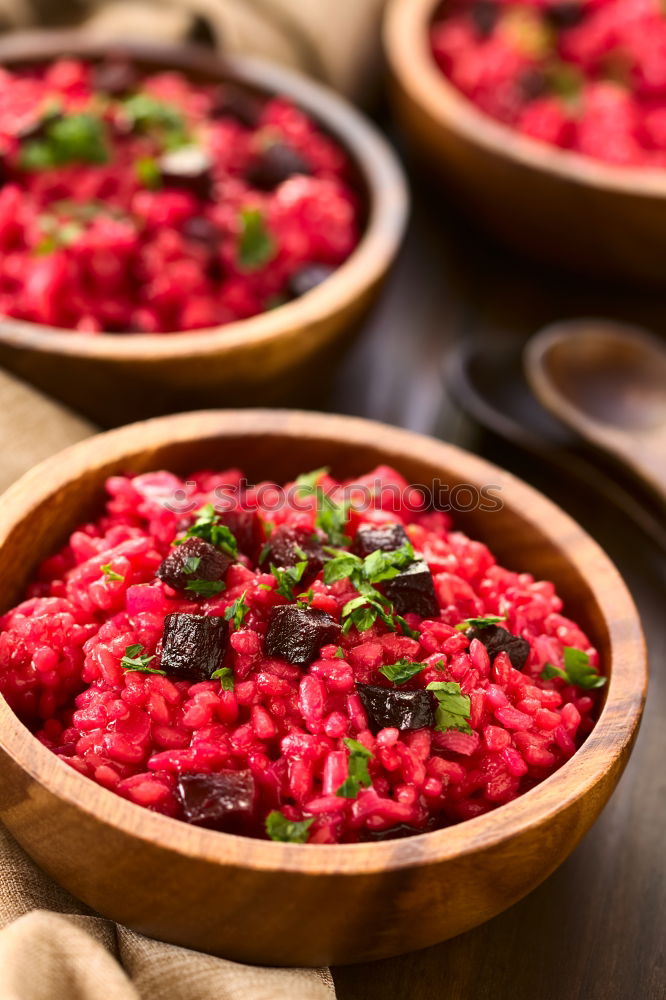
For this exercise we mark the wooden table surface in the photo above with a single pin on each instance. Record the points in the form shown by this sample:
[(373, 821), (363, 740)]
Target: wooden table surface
[(595, 930)]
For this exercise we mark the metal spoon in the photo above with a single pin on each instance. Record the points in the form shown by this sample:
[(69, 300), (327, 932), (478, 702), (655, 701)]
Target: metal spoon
[(607, 380)]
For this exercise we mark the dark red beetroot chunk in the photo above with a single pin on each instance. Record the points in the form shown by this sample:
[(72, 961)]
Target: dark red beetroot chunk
[(307, 278), (296, 633), (413, 590), (288, 545), (498, 640), (276, 164), (223, 801), (115, 76), (246, 528), (370, 538), (193, 645), (177, 572), (190, 168), (232, 102), (391, 708)]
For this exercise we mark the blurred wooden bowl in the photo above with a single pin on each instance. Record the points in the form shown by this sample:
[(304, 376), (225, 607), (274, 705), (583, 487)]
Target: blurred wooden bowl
[(290, 904), (553, 204), (278, 357)]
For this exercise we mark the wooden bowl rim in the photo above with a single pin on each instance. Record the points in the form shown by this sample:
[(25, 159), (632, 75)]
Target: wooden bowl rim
[(573, 780), (388, 204), (405, 34)]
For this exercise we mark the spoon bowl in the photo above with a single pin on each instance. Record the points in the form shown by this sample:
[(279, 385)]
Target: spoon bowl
[(607, 381)]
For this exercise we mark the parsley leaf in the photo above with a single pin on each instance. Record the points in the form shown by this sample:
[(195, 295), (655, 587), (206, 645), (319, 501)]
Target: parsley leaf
[(380, 565), (205, 588), (287, 577), (332, 517), (342, 566), (288, 831), (256, 246), (339, 653), (307, 482), (75, 138), (479, 622), (237, 611), (209, 527), (577, 670), (110, 574), (191, 565), (402, 671), (225, 675), (148, 173), (453, 709), (358, 775), (145, 113), (135, 659)]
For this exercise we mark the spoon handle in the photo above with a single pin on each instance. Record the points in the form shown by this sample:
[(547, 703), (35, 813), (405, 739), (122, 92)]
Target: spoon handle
[(646, 456)]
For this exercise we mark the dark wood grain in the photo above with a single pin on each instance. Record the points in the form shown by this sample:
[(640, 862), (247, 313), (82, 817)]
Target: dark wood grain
[(557, 204), (282, 356), (594, 929), (311, 904)]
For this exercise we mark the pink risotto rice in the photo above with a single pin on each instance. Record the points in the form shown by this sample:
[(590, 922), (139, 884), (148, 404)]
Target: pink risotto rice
[(147, 203), (326, 674)]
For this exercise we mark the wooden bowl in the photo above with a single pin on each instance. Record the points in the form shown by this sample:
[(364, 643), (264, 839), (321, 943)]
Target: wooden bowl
[(288, 904), (554, 204), (277, 357)]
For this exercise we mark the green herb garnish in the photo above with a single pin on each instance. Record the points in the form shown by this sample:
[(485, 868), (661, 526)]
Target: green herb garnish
[(237, 611), (146, 113), (332, 517), (205, 588), (111, 574), (402, 671), (287, 577), (256, 246), (287, 831), (307, 482), (339, 653), (75, 138), (148, 173), (479, 622), (225, 676), (577, 670), (191, 565), (453, 708), (358, 775), (135, 659), (209, 527)]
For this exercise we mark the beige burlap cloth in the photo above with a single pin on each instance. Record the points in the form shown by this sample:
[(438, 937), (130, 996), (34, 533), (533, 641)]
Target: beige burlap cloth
[(51, 946)]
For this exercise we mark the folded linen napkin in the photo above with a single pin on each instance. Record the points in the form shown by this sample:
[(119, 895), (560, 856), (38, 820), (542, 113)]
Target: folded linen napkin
[(52, 947)]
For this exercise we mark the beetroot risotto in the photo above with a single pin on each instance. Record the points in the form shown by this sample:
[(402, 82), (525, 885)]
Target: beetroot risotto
[(293, 663), (586, 75), (152, 204)]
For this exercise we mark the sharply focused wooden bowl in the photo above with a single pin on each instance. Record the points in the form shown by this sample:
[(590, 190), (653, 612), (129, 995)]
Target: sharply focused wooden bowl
[(557, 205), (309, 904), (281, 356)]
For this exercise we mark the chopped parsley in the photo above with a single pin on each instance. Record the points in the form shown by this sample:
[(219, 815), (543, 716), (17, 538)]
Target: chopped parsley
[(287, 577), (256, 246), (332, 517), (237, 611), (191, 565), (453, 708), (479, 622), (225, 676), (339, 653), (287, 831), (358, 775), (577, 670), (205, 588), (148, 173), (135, 659), (146, 113), (209, 527), (307, 482), (74, 138), (111, 574), (402, 671)]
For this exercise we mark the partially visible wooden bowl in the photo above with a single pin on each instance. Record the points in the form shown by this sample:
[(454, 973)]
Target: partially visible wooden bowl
[(309, 904), (280, 356), (554, 204)]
